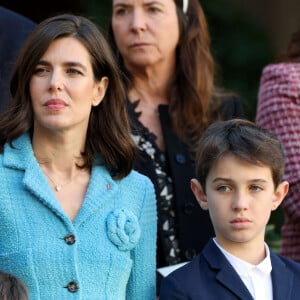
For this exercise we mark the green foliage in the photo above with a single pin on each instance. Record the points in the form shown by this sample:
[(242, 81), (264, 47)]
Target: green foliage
[(98, 11), (241, 49)]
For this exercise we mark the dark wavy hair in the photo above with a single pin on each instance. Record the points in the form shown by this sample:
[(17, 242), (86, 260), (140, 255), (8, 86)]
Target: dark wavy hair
[(108, 132), (292, 53), (193, 101)]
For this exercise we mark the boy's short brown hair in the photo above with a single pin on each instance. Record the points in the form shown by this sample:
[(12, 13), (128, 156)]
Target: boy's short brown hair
[(245, 140)]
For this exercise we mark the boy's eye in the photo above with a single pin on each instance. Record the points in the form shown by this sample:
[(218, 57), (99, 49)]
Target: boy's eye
[(255, 188), (223, 188)]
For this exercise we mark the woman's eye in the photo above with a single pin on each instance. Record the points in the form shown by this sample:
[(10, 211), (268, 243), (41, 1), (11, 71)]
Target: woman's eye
[(121, 11), (40, 70), (74, 71), (154, 9)]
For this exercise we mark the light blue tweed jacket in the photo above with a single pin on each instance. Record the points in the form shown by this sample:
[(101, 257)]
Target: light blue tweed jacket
[(113, 256)]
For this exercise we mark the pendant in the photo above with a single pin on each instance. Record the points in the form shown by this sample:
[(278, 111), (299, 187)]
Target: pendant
[(57, 188)]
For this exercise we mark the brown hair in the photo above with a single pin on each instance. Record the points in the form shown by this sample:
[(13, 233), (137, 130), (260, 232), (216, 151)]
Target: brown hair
[(108, 131), (11, 288), (192, 105), (292, 53), (245, 140)]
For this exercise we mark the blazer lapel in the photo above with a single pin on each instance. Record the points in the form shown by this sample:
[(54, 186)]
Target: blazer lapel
[(282, 279), (225, 273)]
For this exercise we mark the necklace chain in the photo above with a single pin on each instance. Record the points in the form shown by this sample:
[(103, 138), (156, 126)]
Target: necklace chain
[(58, 187)]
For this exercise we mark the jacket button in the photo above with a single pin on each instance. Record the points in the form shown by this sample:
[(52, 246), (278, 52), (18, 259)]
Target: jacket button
[(190, 253), (72, 287), (188, 208), (180, 158), (70, 239)]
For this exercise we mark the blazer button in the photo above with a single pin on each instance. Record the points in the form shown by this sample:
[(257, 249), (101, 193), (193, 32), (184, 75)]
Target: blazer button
[(70, 239), (180, 158), (190, 253), (72, 287), (188, 208)]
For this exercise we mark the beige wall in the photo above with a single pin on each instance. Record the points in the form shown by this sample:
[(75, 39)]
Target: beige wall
[(279, 17)]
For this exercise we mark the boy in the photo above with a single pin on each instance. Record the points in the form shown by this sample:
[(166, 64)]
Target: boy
[(239, 168)]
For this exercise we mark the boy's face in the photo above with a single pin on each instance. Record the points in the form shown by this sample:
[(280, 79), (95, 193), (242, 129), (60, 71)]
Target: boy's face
[(240, 197)]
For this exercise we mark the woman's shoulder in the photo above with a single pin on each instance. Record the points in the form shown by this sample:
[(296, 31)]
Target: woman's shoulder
[(137, 179), (280, 70), (138, 193), (280, 79)]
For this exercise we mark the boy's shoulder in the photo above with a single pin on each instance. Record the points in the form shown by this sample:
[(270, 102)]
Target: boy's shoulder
[(285, 277), (282, 261), (191, 271)]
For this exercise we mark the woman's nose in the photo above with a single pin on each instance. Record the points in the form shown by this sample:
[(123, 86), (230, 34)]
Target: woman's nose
[(138, 21), (56, 81)]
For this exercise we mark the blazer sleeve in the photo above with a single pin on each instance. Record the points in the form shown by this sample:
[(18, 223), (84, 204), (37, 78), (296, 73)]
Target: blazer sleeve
[(142, 281), (278, 111)]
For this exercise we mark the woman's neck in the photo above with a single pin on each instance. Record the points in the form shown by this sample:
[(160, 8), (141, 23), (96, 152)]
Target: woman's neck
[(152, 82), (58, 151)]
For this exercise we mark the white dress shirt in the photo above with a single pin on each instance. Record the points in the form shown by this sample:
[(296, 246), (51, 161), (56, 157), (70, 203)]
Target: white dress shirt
[(257, 278)]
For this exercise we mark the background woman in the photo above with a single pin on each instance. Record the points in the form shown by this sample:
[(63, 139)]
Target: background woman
[(278, 110), (163, 48)]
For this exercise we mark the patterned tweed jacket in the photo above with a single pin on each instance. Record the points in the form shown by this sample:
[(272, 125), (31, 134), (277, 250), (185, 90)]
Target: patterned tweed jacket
[(278, 111)]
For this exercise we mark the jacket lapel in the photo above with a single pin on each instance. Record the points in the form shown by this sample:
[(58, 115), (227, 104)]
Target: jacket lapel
[(21, 157), (102, 188), (282, 279), (225, 273)]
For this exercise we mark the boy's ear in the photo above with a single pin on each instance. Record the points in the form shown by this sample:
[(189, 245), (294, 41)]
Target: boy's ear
[(279, 194), (199, 194)]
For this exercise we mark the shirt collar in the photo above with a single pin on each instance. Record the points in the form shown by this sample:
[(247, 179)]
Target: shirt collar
[(242, 267)]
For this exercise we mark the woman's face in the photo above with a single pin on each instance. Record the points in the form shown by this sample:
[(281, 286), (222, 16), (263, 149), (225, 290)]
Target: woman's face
[(62, 87), (146, 32)]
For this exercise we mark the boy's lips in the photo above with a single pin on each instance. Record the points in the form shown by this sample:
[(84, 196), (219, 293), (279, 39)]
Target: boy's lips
[(240, 220)]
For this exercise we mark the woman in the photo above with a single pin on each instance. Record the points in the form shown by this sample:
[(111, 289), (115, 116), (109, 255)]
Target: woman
[(278, 110), (72, 211), (164, 51)]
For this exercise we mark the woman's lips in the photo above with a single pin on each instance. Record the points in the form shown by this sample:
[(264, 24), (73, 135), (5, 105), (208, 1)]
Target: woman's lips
[(55, 104)]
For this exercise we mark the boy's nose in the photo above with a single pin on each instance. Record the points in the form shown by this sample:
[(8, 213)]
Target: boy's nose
[(239, 201)]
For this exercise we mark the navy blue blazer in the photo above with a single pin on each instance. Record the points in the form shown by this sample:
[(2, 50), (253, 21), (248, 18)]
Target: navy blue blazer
[(210, 276), (14, 29)]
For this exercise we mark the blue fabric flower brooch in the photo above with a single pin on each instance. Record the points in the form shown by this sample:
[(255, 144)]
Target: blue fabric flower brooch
[(123, 229)]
